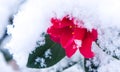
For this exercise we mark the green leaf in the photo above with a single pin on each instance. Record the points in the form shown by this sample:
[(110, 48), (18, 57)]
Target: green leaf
[(39, 58)]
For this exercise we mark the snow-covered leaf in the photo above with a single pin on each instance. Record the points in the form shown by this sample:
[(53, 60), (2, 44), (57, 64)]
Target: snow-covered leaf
[(90, 66), (46, 55)]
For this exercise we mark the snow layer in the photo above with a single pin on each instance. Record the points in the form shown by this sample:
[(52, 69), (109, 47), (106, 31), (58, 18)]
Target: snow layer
[(3, 65), (7, 9)]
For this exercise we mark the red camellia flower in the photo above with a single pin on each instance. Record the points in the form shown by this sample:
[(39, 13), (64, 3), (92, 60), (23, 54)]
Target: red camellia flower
[(72, 35)]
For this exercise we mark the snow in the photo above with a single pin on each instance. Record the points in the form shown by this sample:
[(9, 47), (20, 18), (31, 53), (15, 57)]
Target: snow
[(32, 18), (113, 66), (75, 68), (109, 12), (48, 54), (3, 65), (7, 8), (109, 40), (41, 61), (9, 29), (78, 43)]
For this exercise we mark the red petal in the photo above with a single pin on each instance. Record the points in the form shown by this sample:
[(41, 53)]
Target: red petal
[(70, 50), (55, 32), (86, 48), (66, 21), (55, 39), (66, 38), (94, 34), (56, 22), (67, 42), (79, 33)]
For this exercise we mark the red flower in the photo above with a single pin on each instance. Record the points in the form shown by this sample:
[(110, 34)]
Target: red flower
[(71, 35)]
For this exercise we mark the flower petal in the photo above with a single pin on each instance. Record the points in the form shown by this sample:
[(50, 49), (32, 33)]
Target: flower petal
[(70, 50), (66, 21), (56, 22), (55, 31), (67, 42), (66, 38), (79, 33), (55, 39), (85, 50), (94, 34)]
